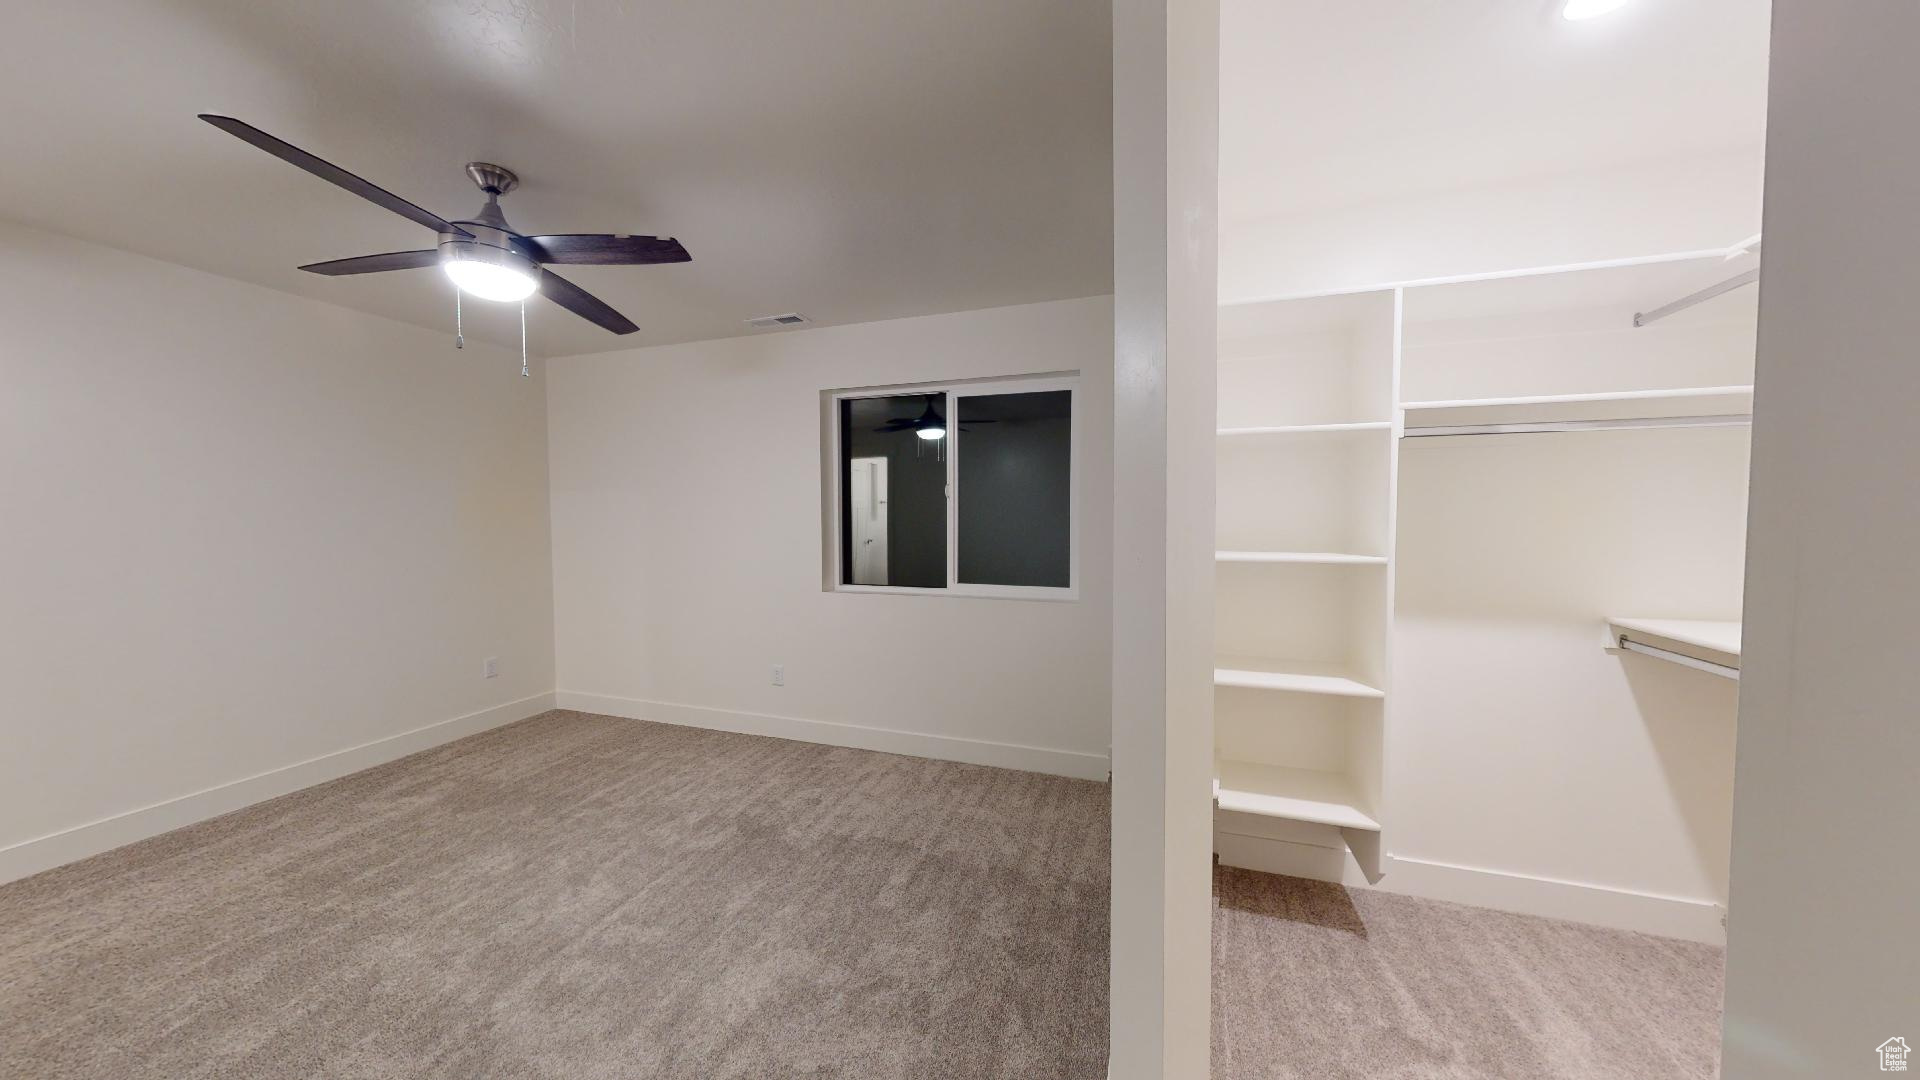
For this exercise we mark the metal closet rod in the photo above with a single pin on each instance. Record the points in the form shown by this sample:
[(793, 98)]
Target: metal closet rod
[(1682, 659), (1621, 423), (1642, 318)]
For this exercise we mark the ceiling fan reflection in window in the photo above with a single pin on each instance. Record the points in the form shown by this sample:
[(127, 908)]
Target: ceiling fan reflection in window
[(482, 255), (929, 425)]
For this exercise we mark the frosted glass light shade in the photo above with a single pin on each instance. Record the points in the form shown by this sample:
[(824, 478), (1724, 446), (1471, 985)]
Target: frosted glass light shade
[(488, 272)]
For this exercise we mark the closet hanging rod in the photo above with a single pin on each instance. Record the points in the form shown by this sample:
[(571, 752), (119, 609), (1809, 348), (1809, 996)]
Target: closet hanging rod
[(1682, 659), (1617, 424), (1642, 318)]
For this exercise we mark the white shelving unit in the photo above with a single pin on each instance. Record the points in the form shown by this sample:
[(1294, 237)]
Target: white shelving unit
[(1728, 402), (1322, 558), (1511, 546), (1306, 795), (1307, 459), (1713, 635), (1290, 676), (1710, 645), (1306, 429), (1563, 347)]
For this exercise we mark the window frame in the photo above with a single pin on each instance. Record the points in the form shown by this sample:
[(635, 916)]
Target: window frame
[(951, 390)]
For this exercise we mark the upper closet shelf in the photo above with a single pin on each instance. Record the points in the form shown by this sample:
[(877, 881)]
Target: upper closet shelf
[(1293, 794), (1304, 429), (1322, 558), (1704, 645), (1254, 673), (1696, 406)]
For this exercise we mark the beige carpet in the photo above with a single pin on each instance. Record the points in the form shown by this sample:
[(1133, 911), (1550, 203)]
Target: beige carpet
[(577, 898), (1316, 982)]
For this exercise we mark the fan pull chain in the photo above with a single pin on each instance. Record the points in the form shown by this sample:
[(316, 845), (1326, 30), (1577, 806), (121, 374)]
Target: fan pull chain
[(524, 373), (459, 337)]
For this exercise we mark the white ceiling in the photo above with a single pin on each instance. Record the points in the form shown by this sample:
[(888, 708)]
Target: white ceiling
[(1327, 103), (859, 160)]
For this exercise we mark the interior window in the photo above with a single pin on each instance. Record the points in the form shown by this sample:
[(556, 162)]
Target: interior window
[(966, 488), (894, 514), (1015, 458)]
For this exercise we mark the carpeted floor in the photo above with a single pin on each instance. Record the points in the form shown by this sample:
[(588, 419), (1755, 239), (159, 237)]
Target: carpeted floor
[(1316, 982), (582, 898)]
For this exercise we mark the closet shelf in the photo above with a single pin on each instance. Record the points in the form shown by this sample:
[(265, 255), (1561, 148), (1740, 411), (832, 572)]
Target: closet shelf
[(1273, 791), (1299, 677), (1304, 429), (1324, 558), (1707, 645), (1731, 402)]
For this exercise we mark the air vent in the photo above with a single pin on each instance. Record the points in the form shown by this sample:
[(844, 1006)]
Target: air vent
[(789, 319)]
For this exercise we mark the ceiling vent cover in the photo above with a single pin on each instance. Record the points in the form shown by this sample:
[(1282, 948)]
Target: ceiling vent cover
[(791, 318)]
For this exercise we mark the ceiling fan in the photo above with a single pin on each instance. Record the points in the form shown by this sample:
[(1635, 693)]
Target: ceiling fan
[(483, 255), (928, 425)]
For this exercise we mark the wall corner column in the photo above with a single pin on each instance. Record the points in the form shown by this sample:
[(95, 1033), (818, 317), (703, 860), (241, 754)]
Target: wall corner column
[(1166, 148)]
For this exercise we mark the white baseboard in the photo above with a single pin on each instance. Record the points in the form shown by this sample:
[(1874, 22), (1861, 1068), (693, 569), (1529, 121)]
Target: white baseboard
[(1599, 905), (1038, 759), (70, 845), (1526, 894)]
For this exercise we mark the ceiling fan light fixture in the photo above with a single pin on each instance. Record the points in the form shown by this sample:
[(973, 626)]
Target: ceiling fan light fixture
[(512, 265), (931, 433), (488, 272)]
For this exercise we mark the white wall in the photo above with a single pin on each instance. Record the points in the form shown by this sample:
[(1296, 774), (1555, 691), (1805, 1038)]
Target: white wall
[(1690, 204), (1524, 754), (240, 531), (1530, 768), (1825, 876), (687, 537)]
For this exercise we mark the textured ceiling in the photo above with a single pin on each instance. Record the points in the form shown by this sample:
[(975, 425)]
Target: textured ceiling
[(855, 160)]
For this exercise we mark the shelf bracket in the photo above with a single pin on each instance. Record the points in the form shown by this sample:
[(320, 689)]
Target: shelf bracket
[(1365, 845)]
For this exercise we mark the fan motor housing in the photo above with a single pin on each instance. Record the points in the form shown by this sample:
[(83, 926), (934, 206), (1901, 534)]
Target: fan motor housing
[(488, 244), (492, 241)]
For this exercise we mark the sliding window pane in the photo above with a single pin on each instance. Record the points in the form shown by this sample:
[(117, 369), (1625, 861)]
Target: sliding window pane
[(893, 481), (1015, 498)]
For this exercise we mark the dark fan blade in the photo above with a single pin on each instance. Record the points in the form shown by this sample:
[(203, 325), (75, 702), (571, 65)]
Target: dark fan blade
[(331, 173), (605, 249), (374, 264), (583, 303)]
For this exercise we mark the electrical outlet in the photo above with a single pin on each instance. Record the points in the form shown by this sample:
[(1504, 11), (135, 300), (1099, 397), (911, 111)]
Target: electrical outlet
[(779, 675), (491, 667)]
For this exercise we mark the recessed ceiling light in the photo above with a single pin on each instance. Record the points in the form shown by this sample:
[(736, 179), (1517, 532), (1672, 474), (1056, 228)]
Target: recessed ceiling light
[(1577, 10)]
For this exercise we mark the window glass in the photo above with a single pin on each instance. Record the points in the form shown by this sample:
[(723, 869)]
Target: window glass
[(1015, 469), (893, 513)]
